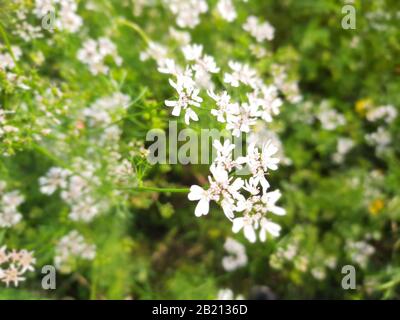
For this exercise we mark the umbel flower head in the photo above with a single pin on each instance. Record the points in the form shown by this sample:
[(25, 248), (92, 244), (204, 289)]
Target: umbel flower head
[(247, 203), (14, 264)]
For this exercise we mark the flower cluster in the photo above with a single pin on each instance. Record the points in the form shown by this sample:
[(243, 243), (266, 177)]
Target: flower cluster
[(260, 31), (237, 257), (7, 60), (76, 189), (9, 202), (71, 247), (344, 145), (106, 110), (14, 264), (384, 116), (262, 103), (23, 28), (226, 9), (227, 294), (387, 113), (187, 12), (94, 52), (330, 118), (66, 19), (249, 197), (360, 252)]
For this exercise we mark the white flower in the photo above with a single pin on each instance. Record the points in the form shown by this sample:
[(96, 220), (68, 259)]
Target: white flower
[(14, 264), (241, 122), (267, 159), (270, 227), (72, 246), (227, 10), (224, 155), (192, 52), (187, 11), (241, 73), (388, 113), (260, 31), (225, 107), (260, 163), (237, 257), (344, 145), (381, 139), (222, 190), (181, 37), (155, 51), (199, 194), (168, 66), (270, 199), (93, 54), (330, 119), (188, 96), (245, 223), (9, 202), (54, 179)]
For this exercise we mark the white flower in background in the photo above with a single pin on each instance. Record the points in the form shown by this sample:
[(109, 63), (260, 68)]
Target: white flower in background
[(387, 113), (168, 66), (192, 52), (76, 190), (55, 178), (330, 119), (260, 31), (288, 87), (241, 73), (154, 51), (9, 202), (188, 96), (226, 9), (139, 5), (381, 139), (94, 52), (107, 109), (71, 247), (182, 37), (258, 51), (268, 100), (84, 210), (227, 294), (344, 145), (66, 18), (6, 60), (237, 257), (14, 264), (318, 273), (187, 12), (360, 252)]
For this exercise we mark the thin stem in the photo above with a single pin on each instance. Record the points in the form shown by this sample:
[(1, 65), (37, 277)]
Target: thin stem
[(164, 190), (8, 45), (135, 27)]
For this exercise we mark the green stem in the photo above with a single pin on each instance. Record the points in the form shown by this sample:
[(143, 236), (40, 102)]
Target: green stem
[(8, 45), (136, 28), (166, 190)]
